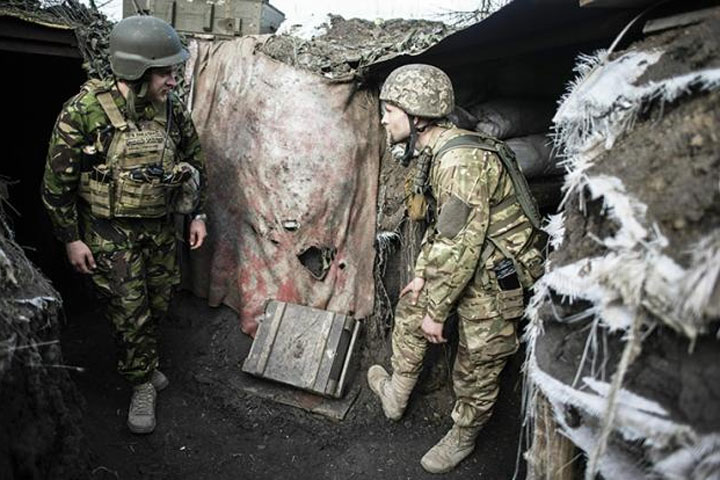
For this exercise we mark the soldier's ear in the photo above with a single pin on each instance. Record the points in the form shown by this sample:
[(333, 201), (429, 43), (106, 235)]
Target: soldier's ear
[(421, 123)]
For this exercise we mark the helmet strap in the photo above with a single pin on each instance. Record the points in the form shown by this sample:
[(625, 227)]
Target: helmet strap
[(136, 96), (410, 144)]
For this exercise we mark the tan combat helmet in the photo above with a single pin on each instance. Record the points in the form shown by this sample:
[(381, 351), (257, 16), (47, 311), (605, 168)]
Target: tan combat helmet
[(420, 90), (141, 42)]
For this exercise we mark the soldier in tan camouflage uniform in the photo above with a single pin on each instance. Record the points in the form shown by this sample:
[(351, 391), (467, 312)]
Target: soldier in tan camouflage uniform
[(120, 154), (480, 251)]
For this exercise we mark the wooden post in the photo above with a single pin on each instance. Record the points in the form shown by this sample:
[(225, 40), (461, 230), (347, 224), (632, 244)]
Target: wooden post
[(552, 456)]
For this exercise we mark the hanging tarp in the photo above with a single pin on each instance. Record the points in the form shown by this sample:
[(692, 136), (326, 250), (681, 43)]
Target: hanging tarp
[(292, 161)]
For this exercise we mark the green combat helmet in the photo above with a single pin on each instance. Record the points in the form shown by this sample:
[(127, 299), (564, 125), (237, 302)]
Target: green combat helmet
[(141, 42), (420, 90)]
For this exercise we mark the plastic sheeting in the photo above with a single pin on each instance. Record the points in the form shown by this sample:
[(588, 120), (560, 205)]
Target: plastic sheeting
[(293, 162)]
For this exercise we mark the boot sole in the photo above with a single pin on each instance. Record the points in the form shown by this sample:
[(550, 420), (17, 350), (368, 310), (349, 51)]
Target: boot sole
[(446, 469), (141, 430)]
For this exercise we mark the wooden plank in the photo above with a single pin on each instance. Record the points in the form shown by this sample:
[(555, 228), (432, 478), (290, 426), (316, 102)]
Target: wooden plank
[(15, 28), (300, 346), (39, 48), (552, 456), (616, 3), (674, 21), (348, 359), (209, 17), (258, 358), (329, 352), (172, 14)]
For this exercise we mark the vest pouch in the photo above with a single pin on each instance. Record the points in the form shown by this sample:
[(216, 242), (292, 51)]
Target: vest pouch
[(417, 207), (185, 185), (511, 303), (140, 199), (531, 260), (96, 189)]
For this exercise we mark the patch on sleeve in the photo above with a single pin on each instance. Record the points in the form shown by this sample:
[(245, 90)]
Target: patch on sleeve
[(453, 217)]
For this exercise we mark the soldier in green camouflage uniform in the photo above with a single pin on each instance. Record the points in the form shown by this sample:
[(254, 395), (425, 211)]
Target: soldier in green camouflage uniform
[(120, 152), (480, 251)]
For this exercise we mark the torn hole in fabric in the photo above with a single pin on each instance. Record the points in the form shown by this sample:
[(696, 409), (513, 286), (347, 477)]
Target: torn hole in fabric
[(317, 259)]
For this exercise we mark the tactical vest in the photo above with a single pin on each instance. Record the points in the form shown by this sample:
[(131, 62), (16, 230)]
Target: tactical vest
[(528, 261), (135, 178)]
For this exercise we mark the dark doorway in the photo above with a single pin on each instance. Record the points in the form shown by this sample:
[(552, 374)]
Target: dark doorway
[(35, 88)]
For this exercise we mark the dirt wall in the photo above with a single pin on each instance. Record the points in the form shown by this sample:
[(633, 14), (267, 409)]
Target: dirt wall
[(40, 433)]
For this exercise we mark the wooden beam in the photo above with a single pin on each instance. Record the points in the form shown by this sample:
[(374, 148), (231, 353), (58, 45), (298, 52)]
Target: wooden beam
[(680, 20), (552, 456), (616, 3), (19, 35)]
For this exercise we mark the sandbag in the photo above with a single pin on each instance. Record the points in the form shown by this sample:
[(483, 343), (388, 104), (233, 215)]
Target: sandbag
[(462, 118), (506, 118), (535, 156), (547, 192)]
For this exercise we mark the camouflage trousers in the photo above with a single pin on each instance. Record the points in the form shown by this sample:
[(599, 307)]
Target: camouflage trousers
[(136, 272), (484, 346)]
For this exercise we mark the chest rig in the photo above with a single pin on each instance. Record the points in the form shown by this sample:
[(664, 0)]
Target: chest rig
[(527, 259), (135, 180)]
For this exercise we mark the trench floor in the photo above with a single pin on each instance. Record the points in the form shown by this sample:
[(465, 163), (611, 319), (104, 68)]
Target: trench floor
[(208, 429)]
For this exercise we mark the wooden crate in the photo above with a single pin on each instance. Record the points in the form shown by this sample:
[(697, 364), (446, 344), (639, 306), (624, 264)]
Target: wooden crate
[(304, 347), (226, 18)]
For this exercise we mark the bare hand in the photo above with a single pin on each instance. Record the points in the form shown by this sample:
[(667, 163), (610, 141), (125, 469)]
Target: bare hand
[(414, 287), (80, 256), (198, 232), (432, 330)]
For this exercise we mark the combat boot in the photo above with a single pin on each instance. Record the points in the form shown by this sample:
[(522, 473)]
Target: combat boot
[(394, 391), (454, 447), (141, 415), (159, 380)]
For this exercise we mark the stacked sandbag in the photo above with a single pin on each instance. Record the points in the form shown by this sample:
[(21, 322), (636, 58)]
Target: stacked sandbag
[(523, 124), (508, 118), (462, 118), (623, 335), (535, 156)]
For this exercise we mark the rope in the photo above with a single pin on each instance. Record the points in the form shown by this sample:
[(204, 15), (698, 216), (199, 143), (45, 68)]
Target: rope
[(630, 353)]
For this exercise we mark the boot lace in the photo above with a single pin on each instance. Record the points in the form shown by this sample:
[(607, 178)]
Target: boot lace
[(142, 400)]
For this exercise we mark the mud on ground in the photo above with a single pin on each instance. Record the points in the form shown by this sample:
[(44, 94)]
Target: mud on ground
[(207, 430)]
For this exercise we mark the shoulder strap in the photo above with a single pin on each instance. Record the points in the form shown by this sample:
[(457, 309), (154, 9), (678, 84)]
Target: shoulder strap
[(111, 110), (507, 157), (102, 93), (93, 85)]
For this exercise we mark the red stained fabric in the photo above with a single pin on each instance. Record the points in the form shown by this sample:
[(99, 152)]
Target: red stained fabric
[(283, 146)]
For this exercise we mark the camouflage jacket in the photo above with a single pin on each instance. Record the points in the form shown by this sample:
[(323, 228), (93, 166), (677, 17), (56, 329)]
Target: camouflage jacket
[(467, 184), (82, 123)]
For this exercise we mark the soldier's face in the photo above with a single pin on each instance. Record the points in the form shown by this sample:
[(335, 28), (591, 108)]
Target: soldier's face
[(395, 121), (162, 80)]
